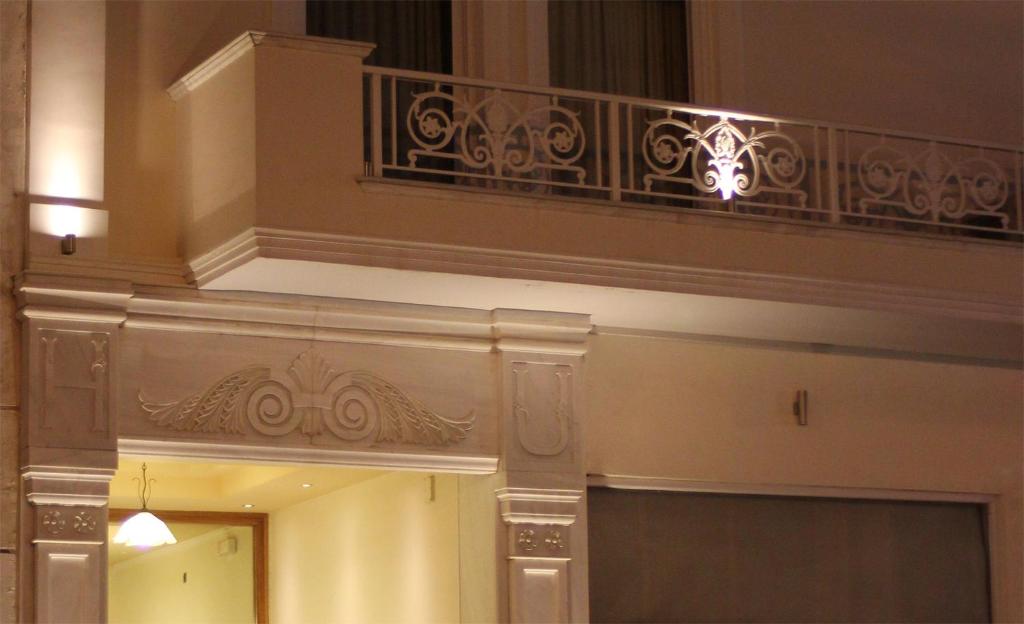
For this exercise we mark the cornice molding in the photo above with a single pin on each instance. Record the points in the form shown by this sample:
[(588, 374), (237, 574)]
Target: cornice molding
[(339, 320), (523, 331), (249, 40), (416, 256), (68, 298)]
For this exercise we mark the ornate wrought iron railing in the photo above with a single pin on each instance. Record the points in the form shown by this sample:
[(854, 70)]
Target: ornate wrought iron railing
[(563, 143)]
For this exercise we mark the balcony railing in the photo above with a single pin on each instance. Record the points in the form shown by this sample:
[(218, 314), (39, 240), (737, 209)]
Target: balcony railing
[(573, 144)]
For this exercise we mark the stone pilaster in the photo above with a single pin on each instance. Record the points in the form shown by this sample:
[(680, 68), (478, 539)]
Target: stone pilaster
[(543, 504), (68, 444)]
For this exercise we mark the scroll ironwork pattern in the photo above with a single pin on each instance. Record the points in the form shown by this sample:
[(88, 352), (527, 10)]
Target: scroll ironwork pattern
[(495, 135), (930, 184), (722, 158), (432, 128)]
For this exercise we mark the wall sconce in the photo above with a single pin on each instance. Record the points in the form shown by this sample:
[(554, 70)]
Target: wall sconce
[(67, 244), (73, 229), (800, 407)]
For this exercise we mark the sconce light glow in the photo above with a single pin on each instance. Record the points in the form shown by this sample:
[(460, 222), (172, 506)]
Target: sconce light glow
[(144, 530), (64, 179), (62, 219)]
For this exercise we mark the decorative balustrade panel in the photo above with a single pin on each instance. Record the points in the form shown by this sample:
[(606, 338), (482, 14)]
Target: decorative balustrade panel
[(928, 186), (492, 138), (437, 128), (689, 159)]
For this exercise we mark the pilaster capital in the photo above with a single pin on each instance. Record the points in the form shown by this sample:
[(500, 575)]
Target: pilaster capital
[(80, 486), (538, 506)]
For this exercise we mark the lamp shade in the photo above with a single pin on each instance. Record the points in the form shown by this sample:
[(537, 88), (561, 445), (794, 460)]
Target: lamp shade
[(144, 529)]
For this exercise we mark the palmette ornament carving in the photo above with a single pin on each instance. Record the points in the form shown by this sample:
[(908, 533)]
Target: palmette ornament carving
[(312, 399), (722, 159)]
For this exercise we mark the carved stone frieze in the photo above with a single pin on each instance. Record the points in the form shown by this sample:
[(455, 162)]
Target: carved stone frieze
[(313, 399)]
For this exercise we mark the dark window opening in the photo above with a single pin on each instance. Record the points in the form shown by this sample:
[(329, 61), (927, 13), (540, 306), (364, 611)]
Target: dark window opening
[(409, 35), (683, 557), (620, 46)]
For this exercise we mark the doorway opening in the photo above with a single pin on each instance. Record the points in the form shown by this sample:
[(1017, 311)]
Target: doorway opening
[(339, 544)]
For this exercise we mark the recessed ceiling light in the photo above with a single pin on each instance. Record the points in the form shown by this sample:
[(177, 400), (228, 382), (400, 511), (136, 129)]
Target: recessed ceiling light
[(248, 505), (307, 485)]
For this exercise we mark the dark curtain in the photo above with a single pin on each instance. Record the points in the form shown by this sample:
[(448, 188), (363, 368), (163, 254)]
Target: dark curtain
[(409, 34), (675, 557), (627, 47)]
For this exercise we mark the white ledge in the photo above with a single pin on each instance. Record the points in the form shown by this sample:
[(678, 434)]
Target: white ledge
[(327, 249), (252, 38), (623, 482), (424, 462)]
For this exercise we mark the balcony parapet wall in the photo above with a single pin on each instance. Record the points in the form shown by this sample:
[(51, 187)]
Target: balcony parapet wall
[(293, 157)]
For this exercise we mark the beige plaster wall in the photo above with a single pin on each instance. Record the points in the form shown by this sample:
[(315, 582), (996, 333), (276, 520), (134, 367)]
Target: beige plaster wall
[(149, 46), (949, 67), (219, 588), (559, 228), (377, 551), (722, 413)]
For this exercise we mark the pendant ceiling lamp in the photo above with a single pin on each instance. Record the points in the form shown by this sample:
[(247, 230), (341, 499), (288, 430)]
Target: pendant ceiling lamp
[(144, 530)]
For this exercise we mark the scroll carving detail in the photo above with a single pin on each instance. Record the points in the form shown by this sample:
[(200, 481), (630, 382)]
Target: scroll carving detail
[(313, 398), (527, 418)]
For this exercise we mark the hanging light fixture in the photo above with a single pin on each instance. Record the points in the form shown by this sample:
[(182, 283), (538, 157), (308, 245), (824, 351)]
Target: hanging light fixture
[(144, 529)]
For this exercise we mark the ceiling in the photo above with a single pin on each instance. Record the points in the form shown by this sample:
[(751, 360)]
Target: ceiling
[(205, 486)]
